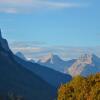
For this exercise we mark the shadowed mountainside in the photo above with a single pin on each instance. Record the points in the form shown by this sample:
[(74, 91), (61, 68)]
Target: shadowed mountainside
[(14, 77), (51, 76)]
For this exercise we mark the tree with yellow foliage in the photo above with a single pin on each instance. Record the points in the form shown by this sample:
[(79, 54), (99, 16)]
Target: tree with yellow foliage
[(81, 88)]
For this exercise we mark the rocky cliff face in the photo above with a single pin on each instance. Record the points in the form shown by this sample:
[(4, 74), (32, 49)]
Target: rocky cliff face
[(85, 65), (3, 43)]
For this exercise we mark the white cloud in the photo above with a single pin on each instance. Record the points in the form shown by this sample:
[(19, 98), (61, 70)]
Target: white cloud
[(35, 50), (27, 49), (26, 46), (8, 10), (18, 6), (60, 5), (15, 1)]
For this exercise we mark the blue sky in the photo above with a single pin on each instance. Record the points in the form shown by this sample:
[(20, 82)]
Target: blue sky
[(72, 23)]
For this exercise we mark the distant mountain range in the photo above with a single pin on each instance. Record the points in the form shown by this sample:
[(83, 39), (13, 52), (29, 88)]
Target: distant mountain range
[(53, 77), (55, 62), (30, 80), (85, 65)]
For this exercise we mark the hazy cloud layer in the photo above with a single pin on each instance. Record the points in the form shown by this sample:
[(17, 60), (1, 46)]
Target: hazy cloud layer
[(19, 6), (35, 50)]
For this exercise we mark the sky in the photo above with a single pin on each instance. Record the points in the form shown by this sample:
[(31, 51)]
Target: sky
[(36, 27)]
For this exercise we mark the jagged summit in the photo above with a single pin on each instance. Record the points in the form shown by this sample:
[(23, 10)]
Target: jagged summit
[(3, 42), (45, 58), (86, 58), (54, 61), (19, 54), (51, 58), (87, 63), (0, 34)]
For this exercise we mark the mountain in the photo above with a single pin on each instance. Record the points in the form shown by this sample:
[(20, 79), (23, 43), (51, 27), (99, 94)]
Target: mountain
[(31, 60), (55, 62), (3, 43), (86, 64), (19, 54), (51, 76), (16, 78)]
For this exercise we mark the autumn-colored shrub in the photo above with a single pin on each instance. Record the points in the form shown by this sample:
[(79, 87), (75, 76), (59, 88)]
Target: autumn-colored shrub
[(81, 88)]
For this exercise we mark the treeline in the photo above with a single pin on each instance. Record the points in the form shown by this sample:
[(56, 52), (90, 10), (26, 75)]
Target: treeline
[(81, 88)]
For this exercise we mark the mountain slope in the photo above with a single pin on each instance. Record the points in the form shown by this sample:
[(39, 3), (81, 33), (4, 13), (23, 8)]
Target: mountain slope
[(85, 65), (55, 62), (15, 78), (51, 76), (20, 55)]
